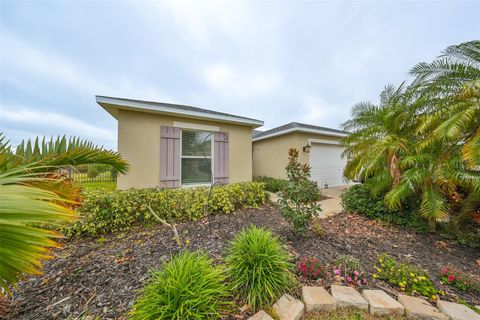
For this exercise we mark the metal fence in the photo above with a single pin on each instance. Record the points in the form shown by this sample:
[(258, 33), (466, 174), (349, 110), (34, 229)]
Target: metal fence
[(91, 173)]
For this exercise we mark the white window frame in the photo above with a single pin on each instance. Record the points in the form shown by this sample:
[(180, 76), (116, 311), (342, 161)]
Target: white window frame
[(211, 157)]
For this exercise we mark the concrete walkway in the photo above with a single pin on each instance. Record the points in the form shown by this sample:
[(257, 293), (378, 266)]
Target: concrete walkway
[(332, 205)]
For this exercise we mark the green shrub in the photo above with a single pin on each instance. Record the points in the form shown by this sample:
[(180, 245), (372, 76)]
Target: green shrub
[(105, 211), (259, 267), (272, 184), (186, 287), (298, 199), (407, 278), (360, 200)]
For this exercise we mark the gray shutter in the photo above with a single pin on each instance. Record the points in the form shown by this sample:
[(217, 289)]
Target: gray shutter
[(221, 157), (170, 157)]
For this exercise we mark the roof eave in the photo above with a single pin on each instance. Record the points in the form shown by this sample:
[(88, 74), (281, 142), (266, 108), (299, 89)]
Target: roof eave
[(111, 105), (303, 130)]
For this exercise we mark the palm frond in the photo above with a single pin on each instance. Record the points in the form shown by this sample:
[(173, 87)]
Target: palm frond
[(22, 245)]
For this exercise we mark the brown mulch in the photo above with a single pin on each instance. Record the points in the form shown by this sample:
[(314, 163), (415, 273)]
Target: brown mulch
[(102, 276)]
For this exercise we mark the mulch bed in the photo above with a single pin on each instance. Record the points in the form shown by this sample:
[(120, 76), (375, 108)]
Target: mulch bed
[(102, 277)]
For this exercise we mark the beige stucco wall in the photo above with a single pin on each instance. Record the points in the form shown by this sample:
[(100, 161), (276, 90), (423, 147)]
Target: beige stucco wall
[(270, 156), (139, 144)]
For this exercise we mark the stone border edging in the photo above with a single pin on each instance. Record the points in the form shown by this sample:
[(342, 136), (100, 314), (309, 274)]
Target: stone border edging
[(377, 302)]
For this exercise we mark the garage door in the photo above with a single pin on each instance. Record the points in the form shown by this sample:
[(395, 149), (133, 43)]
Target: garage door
[(327, 164)]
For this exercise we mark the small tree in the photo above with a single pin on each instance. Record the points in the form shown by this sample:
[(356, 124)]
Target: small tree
[(298, 200)]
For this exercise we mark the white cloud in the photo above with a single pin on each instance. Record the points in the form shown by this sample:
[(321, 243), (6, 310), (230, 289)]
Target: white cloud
[(316, 110), (56, 123), (22, 57), (227, 80), (201, 20)]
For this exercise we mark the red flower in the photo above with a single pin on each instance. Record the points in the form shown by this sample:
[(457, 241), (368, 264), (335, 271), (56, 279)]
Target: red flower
[(451, 278)]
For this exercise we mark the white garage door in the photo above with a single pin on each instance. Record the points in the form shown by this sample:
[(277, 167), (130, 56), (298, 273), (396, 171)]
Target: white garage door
[(327, 164)]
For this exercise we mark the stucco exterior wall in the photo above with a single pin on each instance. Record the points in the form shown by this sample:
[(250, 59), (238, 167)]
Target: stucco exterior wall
[(270, 156), (139, 144)]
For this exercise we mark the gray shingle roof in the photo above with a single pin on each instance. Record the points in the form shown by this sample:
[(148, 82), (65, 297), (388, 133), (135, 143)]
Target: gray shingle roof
[(179, 107), (295, 125)]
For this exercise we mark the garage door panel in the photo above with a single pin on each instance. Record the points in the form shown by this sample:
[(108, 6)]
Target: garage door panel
[(327, 164)]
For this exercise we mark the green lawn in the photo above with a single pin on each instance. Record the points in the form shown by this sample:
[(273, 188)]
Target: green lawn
[(99, 185), (349, 314), (83, 177)]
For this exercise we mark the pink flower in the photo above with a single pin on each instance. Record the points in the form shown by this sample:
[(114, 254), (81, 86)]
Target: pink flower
[(337, 272), (349, 279), (364, 281), (445, 270), (451, 278), (355, 273)]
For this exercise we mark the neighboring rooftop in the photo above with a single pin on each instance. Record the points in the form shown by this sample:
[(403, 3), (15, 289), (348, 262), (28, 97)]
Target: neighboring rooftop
[(112, 105), (297, 127)]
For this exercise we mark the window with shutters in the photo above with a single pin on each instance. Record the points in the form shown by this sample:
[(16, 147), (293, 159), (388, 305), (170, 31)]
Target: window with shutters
[(196, 157)]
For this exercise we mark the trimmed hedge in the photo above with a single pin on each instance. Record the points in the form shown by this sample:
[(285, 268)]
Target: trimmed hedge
[(108, 211), (360, 200), (272, 184)]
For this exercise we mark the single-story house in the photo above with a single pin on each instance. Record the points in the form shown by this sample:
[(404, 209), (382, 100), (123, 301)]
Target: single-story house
[(172, 145), (318, 147)]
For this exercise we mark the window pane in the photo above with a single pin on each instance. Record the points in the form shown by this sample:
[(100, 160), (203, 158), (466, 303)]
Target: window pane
[(196, 170), (196, 143)]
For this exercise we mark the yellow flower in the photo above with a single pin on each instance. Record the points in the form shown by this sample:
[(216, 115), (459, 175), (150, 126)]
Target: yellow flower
[(423, 278), (434, 297), (403, 289), (375, 275), (412, 275), (380, 260), (415, 280)]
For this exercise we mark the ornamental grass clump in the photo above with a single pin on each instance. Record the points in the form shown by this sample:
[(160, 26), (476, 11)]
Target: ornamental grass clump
[(407, 278), (259, 267), (189, 286)]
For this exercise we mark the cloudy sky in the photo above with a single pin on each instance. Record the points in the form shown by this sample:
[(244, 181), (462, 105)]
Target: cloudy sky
[(278, 61)]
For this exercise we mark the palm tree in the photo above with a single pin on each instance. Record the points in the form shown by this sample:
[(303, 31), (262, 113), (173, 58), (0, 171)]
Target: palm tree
[(378, 139), (391, 150), (452, 83), (34, 198)]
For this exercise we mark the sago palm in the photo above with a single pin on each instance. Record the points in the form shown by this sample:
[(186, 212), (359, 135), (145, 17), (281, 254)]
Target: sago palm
[(34, 195)]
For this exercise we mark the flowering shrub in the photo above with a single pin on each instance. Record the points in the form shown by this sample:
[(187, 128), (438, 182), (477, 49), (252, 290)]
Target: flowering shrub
[(459, 279), (311, 268), (298, 198), (349, 270), (408, 278)]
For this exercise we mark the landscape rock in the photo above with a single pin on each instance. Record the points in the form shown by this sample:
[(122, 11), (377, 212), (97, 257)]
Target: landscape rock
[(417, 308), (457, 311), (289, 308), (348, 297), (261, 315), (381, 303), (317, 299)]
